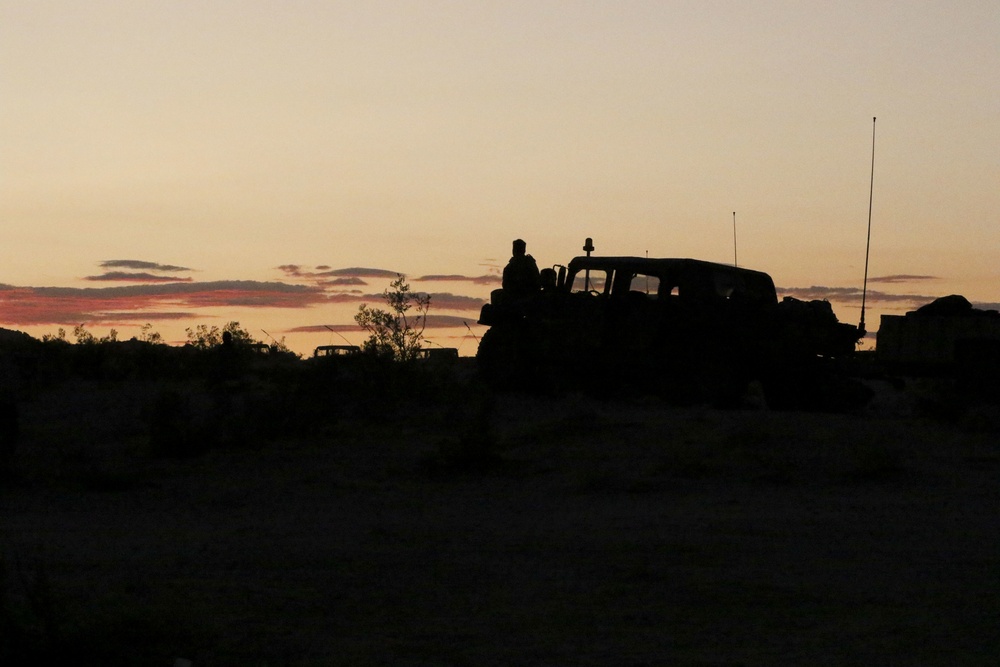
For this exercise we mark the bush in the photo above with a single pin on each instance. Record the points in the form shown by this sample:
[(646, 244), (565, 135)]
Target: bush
[(394, 334)]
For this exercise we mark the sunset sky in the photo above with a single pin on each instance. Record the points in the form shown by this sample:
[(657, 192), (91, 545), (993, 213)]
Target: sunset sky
[(277, 163)]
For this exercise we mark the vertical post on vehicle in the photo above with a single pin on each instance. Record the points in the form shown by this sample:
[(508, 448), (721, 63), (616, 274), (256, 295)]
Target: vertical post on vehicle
[(588, 247), (735, 263)]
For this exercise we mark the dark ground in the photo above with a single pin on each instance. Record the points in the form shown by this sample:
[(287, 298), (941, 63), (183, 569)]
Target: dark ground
[(572, 532)]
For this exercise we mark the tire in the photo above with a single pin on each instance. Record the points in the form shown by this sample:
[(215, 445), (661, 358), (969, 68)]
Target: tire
[(499, 358)]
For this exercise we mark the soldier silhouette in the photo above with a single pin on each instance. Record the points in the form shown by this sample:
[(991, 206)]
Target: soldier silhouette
[(520, 276)]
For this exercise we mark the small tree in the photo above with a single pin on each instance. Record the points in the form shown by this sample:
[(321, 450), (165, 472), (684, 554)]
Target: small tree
[(240, 335), (147, 335), (393, 333), (60, 336), (84, 337), (204, 337)]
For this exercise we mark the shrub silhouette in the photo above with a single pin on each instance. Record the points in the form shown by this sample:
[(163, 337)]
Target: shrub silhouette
[(392, 333)]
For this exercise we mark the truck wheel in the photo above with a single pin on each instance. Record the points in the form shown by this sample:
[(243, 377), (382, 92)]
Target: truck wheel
[(499, 358)]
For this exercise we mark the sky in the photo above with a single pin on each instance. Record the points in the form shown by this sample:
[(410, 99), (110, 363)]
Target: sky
[(279, 163)]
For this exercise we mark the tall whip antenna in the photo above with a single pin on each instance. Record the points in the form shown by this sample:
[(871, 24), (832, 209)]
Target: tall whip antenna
[(332, 330), (471, 331), (868, 244)]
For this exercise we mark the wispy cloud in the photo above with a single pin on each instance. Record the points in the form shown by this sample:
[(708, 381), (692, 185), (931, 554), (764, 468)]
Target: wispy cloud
[(140, 265), (128, 291), (61, 305), (355, 296), (439, 300), (359, 272), (820, 292), (353, 281), (320, 328), (449, 301), (356, 276), (902, 278), (854, 294), (141, 277), (490, 279), (144, 316), (323, 272)]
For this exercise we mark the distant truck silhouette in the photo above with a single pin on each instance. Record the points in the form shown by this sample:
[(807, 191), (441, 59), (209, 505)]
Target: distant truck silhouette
[(336, 350), (438, 355), (688, 329), (944, 338)]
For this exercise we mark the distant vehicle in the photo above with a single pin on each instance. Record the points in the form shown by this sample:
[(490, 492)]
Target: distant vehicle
[(688, 329), (945, 338), (336, 350), (438, 354)]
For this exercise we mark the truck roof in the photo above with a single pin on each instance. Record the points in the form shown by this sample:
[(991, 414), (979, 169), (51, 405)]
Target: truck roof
[(723, 279), (665, 265)]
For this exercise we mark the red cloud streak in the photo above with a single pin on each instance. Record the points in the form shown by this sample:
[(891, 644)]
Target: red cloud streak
[(64, 305)]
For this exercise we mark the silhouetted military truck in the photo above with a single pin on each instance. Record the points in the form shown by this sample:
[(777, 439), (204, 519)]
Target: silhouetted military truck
[(689, 330), (946, 338)]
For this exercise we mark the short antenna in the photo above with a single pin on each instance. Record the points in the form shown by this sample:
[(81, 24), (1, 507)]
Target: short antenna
[(735, 262), (868, 243)]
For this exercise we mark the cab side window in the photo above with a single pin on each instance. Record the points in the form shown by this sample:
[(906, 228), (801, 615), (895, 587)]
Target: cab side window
[(599, 281)]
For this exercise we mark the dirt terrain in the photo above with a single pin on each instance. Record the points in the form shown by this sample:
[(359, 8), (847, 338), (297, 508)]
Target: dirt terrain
[(462, 529)]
